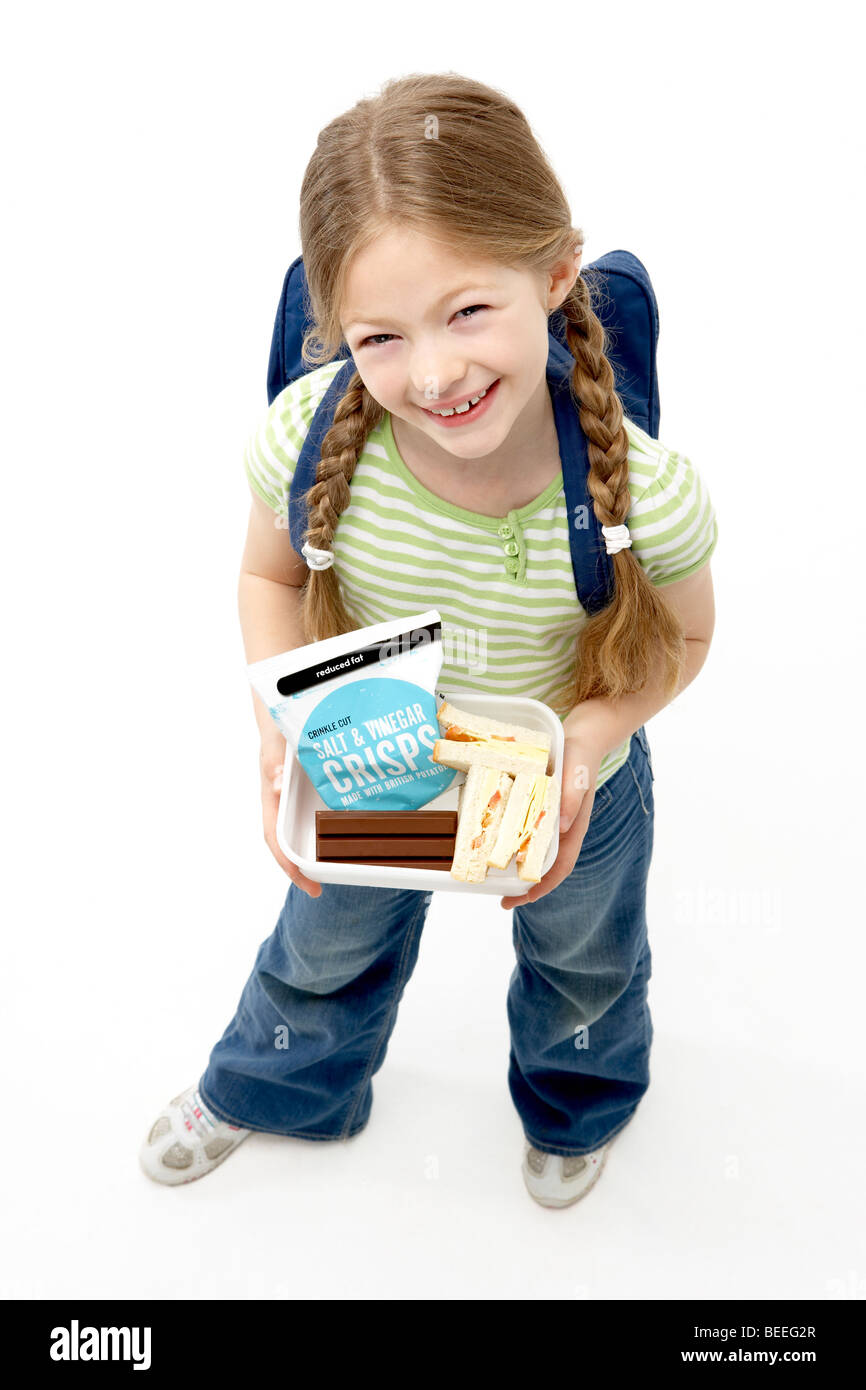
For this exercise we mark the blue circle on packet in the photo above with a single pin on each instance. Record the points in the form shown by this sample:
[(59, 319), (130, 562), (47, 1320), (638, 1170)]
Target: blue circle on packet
[(369, 745)]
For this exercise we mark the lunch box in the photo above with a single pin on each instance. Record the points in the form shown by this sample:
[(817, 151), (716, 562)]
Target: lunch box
[(299, 801)]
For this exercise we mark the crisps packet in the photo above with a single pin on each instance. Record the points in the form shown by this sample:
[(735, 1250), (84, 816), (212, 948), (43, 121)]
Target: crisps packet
[(359, 711)]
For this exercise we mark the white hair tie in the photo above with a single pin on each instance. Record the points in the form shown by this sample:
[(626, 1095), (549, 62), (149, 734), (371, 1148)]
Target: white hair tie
[(616, 538), (317, 559)]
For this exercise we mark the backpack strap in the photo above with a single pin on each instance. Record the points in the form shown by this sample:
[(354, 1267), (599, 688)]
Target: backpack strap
[(590, 562), (311, 452)]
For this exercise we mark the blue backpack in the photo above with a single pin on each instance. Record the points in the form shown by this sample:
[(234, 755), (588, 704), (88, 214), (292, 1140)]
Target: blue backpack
[(629, 314)]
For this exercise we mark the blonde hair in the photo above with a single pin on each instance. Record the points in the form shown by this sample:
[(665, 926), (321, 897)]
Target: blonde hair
[(482, 185)]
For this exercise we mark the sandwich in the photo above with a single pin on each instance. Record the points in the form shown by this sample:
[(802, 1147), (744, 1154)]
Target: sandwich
[(483, 798), (470, 739), (525, 827)]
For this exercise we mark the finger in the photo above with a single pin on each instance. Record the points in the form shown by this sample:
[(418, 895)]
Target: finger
[(270, 804), (536, 891), (308, 885), (312, 890), (287, 865), (552, 879), (573, 799), (529, 896)]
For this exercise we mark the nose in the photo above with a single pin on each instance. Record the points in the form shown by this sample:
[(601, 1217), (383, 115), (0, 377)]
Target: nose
[(437, 371)]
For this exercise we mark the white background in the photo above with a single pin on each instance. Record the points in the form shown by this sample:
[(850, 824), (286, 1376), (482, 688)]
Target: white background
[(152, 165)]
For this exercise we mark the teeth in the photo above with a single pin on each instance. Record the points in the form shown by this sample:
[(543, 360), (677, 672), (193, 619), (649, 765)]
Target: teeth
[(461, 409)]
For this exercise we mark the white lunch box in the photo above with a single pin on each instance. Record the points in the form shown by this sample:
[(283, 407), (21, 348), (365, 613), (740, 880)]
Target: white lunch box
[(299, 802)]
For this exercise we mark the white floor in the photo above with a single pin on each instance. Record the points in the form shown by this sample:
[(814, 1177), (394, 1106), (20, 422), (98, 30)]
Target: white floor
[(740, 1176)]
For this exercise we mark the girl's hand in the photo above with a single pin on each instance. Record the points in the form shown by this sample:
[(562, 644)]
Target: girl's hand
[(271, 760), (580, 764)]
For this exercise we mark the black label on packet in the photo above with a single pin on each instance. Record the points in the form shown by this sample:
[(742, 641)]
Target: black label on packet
[(377, 653)]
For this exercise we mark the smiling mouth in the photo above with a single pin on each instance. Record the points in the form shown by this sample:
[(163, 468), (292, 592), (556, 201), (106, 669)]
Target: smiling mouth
[(466, 407)]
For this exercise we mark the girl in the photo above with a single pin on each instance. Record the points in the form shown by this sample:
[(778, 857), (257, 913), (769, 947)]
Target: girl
[(436, 241)]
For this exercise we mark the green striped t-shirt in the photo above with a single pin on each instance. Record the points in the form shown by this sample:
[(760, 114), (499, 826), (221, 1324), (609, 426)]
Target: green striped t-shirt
[(504, 586)]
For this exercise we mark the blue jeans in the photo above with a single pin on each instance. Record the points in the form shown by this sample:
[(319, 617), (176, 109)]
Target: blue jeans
[(315, 1016)]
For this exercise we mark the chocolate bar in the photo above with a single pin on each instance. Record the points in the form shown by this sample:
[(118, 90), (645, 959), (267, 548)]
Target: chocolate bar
[(395, 846), (386, 822), (404, 839), (399, 863)]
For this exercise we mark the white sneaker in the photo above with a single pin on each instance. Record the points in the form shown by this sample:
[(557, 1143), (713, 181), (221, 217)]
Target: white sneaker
[(557, 1180), (187, 1140)]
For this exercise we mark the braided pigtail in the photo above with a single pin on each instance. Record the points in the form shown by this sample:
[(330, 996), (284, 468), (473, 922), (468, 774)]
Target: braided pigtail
[(618, 646), (357, 413)]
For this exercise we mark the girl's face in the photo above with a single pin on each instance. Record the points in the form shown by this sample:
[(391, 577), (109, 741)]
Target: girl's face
[(428, 329)]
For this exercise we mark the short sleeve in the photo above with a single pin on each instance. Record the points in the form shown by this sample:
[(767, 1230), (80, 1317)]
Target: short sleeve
[(672, 521), (274, 446)]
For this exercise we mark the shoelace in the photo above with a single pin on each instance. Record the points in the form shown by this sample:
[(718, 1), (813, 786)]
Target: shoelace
[(197, 1117)]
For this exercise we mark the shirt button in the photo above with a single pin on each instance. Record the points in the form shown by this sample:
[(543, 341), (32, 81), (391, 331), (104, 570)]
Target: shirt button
[(505, 530), (511, 548), (512, 566)]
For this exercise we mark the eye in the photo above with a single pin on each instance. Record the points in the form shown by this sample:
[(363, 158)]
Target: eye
[(471, 307), (375, 339)]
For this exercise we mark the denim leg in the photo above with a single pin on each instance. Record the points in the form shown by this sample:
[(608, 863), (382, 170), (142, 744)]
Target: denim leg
[(315, 1016), (577, 1002)]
